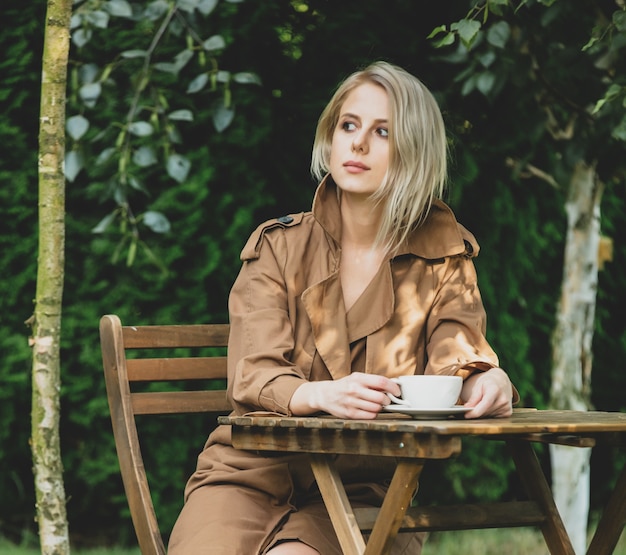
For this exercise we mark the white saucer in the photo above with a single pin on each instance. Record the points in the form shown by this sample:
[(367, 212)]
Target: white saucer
[(427, 413)]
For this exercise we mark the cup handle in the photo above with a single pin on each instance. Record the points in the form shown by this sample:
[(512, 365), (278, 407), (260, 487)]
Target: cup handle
[(395, 399)]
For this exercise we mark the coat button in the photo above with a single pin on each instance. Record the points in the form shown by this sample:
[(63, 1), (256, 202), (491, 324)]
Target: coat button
[(285, 219)]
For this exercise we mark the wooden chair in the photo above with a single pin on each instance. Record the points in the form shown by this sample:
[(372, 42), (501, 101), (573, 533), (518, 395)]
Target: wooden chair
[(122, 374)]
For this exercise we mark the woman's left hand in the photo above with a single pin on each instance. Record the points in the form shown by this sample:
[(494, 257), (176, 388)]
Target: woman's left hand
[(488, 393)]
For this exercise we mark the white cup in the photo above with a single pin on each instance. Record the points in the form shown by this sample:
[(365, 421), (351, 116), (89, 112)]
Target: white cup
[(428, 391)]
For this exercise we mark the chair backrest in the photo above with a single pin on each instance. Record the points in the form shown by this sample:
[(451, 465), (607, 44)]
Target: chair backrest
[(123, 375)]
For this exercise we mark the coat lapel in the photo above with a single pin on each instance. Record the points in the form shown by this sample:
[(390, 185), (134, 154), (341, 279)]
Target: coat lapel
[(324, 306), (334, 330), (374, 307)]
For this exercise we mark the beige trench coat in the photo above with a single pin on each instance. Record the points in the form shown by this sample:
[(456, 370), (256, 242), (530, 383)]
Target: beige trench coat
[(422, 313)]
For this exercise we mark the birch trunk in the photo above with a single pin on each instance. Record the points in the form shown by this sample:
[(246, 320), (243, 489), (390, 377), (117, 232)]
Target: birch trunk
[(46, 321), (572, 357)]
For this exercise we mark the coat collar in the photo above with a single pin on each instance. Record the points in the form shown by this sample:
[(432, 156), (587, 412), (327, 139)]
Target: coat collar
[(440, 234)]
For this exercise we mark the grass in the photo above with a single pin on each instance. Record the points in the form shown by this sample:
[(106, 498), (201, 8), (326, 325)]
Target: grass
[(513, 541), (7, 548)]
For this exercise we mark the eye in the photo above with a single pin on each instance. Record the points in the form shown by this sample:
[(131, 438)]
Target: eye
[(348, 126), (383, 132)]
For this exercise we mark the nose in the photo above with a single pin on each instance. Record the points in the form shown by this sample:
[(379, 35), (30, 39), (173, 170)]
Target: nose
[(359, 142)]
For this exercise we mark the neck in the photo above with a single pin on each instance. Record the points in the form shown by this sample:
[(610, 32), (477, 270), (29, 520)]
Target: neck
[(360, 218)]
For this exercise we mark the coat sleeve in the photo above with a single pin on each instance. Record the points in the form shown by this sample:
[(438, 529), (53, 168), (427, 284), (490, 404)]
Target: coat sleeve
[(456, 342), (261, 375)]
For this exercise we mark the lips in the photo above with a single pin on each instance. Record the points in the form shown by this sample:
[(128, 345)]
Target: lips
[(356, 165)]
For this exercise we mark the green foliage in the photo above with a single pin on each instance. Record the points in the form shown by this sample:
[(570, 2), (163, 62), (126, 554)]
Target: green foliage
[(168, 70), (20, 69)]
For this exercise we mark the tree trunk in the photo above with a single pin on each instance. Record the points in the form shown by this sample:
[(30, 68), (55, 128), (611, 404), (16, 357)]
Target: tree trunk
[(46, 333), (572, 358)]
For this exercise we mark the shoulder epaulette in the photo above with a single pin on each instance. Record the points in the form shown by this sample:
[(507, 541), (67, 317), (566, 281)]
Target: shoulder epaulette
[(252, 248)]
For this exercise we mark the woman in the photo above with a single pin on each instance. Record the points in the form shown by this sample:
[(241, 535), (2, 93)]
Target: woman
[(376, 282)]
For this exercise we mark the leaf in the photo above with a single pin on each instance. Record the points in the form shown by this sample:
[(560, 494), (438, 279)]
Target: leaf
[(74, 162), (485, 82), (498, 34), (216, 42), (181, 115), (167, 67), (90, 93), (467, 30), (593, 40), (81, 37), (105, 155), (89, 73), (77, 126), (136, 184), (187, 5), (155, 10), (613, 91), (144, 156), (98, 18), (119, 8), (178, 167), (133, 54), (222, 117), (119, 195), (247, 78), (468, 86), (198, 83), (156, 221), (487, 58), (205, 7), (104, 223), (132, 253), (222, 76), (619, 20), (173, 135), (180, 61), (619, 132), (140, 128), (75, 21), (437, 30)]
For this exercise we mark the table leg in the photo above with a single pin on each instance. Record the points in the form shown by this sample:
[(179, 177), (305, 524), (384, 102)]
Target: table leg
[(536, 485), (401, 491), (612, 521), (337, 504)]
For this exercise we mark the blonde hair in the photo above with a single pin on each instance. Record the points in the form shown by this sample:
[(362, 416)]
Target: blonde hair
[(418, 150)]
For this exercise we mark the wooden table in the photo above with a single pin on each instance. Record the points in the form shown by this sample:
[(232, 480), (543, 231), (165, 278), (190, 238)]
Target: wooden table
[(412, 442)]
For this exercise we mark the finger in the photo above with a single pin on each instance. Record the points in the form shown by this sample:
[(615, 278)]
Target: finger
[(364, 411), (377, 383)]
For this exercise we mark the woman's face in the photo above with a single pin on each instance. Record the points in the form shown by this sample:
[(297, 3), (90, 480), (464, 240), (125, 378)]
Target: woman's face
[(359, 153)]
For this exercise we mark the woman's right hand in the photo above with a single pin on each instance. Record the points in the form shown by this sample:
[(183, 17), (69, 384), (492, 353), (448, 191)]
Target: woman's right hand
[(357, 396)]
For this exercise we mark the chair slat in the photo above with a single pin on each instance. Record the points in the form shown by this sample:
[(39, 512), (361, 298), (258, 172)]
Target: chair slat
[(172, 369), (160, 337), (508, 514), (174, 402)]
